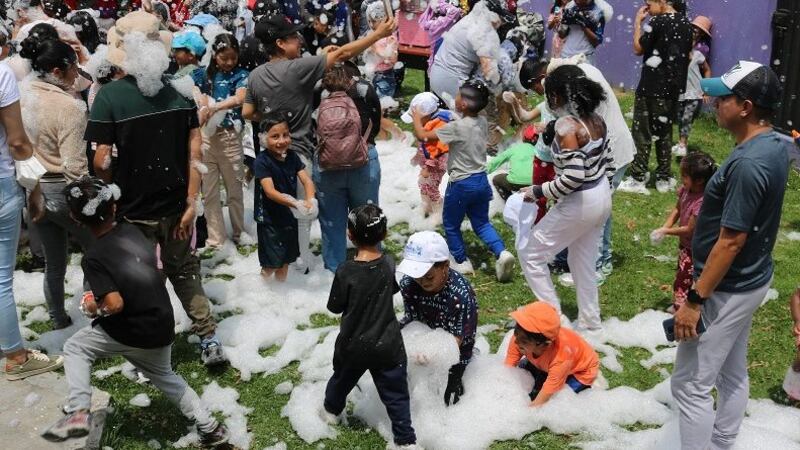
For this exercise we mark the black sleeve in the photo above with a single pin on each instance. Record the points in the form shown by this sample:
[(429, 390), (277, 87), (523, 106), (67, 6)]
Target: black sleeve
[(194, 121), (648, 38), (98, 277), (337, 300)]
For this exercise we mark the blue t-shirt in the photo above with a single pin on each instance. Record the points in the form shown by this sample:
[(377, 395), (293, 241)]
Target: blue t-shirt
[(223, 86), (453, 309), (745, 194), (284, 178)]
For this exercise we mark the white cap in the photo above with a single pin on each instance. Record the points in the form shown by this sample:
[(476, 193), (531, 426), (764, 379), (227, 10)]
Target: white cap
[(422, 251), (425, 103)]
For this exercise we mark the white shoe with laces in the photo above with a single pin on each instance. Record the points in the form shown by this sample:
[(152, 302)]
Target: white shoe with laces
[(633, 186), (504, 267)]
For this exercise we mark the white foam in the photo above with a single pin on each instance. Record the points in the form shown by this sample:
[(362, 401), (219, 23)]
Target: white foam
[(140, 400)]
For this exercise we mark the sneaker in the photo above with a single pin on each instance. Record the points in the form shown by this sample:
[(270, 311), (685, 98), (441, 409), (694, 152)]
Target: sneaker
[(72, 425), (633, 186), (504, 267), (37, 363), (211, 351), (245, 239), (679, 150), (606, 268), (214, 438), (565, 279), (328, 418), (463, 268), (664, 186)]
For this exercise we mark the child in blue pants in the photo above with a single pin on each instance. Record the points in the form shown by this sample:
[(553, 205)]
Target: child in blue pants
[(468, 192)]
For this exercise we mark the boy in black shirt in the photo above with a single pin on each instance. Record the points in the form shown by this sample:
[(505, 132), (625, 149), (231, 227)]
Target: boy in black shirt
[(134, 315), (665, 44), (369, 337)]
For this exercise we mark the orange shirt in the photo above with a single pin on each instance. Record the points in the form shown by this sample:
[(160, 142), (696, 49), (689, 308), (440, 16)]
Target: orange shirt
[(569, 355), (434, 147)]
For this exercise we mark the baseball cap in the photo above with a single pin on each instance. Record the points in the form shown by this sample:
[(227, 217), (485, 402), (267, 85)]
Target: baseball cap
[(424, 102), (538, 317), (750, 81), (422, 251), (271, 28), (190, 41)]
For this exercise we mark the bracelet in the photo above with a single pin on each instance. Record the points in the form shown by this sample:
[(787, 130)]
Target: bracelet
[(695, 298)]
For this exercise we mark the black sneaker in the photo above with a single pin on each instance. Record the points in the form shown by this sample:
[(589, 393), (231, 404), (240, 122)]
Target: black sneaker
[(211, 352), (214, 438)]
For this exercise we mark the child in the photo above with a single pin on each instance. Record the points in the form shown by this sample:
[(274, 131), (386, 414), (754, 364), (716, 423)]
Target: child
[(520, 165), (381, 58), (369, 338), (555, 356), (224, 83), (554, 23), (277, 171), (133, 316), (696, 170), (689, 102), (432, 154), (468, 192), (187, 49), (321, 33)]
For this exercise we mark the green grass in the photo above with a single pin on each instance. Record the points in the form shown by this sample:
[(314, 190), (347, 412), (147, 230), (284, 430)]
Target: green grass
[(638, 283)]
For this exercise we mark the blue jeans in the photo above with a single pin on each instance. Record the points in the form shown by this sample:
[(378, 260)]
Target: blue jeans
[(385, 83), (339, 191), (604, 256), (11, 202), (469, 197)]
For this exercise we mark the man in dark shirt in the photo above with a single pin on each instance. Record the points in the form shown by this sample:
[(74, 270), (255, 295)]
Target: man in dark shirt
[(157, 140), (665, 44), (439, 297), (732, 251), (135, 316)]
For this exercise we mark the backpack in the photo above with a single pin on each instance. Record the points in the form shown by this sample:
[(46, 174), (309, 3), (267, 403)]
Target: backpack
[(341, 145)]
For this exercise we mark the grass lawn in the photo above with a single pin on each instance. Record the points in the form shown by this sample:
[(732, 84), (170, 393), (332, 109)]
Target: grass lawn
[(639, 282)]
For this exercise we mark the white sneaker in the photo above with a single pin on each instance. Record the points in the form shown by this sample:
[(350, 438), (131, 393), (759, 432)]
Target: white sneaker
[(664, 186), (504, 267), (246, 239), (565, 279), (633, 186), (463, 268), (679, 150), (327, 417)]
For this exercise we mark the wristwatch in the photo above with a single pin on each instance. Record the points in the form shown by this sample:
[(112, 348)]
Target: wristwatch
[(695, 298)]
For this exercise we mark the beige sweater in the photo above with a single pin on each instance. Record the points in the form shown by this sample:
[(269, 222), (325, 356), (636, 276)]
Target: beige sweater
[(59, 122)]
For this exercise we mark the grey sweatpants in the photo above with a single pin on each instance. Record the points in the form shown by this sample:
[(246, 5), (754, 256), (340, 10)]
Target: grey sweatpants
[(717, 359), (91, 343)]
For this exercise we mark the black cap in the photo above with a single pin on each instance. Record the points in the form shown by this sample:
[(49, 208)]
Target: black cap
[(761, 87), (271, 28)]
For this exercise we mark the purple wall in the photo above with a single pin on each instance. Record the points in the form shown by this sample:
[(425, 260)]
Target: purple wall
[(741, 31)]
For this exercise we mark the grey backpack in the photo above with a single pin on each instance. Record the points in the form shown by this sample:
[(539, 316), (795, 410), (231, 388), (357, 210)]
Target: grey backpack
[(341, 144)]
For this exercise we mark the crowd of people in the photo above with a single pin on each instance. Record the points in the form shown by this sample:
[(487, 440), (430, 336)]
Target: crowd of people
[(120, 119)]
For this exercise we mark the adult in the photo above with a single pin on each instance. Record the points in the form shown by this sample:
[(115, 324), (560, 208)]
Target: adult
[(665, 47), (439, 297), (58, 144), (732, 254), (471, 45), (340, 191), (15, 150), (157, 139), (287, 83), (581, 190), (582, 27)]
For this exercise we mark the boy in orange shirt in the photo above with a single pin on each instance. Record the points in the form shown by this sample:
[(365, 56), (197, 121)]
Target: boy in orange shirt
[(555, 356)]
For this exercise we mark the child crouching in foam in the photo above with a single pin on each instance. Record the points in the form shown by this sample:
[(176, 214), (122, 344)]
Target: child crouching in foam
[(276, 211), (555, 356), (133, 316), (369, 337), (432, 153)]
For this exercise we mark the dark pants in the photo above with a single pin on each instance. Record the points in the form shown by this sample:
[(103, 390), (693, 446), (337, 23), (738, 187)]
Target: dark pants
[(504, 187), (392, 385), (540, 376), (652, 123)]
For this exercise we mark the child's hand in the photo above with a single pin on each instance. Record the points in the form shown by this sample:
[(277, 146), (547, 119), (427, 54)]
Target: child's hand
[(510, 98), (88, 306), (656, 236)]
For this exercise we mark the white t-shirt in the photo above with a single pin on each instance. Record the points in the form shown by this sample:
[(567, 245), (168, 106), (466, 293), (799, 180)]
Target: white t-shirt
[(9, 93), (693, 89)]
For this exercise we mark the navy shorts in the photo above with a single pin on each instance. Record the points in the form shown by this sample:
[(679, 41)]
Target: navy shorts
[(277, 245)]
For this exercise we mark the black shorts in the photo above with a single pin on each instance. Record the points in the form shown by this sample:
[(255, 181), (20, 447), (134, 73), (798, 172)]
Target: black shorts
[(277, 245)]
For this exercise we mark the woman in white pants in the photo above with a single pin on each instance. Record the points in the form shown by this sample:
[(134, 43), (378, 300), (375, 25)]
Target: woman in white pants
[(581, 190)]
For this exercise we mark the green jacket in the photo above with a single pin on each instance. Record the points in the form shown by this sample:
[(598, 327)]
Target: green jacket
[(520, 163)]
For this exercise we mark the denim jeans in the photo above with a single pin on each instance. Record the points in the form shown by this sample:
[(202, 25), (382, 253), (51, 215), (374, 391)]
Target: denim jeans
[(11, 201), (385, 83), (339, 191), (469, 197)]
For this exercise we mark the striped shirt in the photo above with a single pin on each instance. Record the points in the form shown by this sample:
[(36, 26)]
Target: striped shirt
[(578, 169)]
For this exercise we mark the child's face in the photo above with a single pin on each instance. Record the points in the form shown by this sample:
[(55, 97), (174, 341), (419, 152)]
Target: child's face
[(183, 57), (690, 184), (277, 139), (528, 346), (460, 104), (226, 59), (319, 27)]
